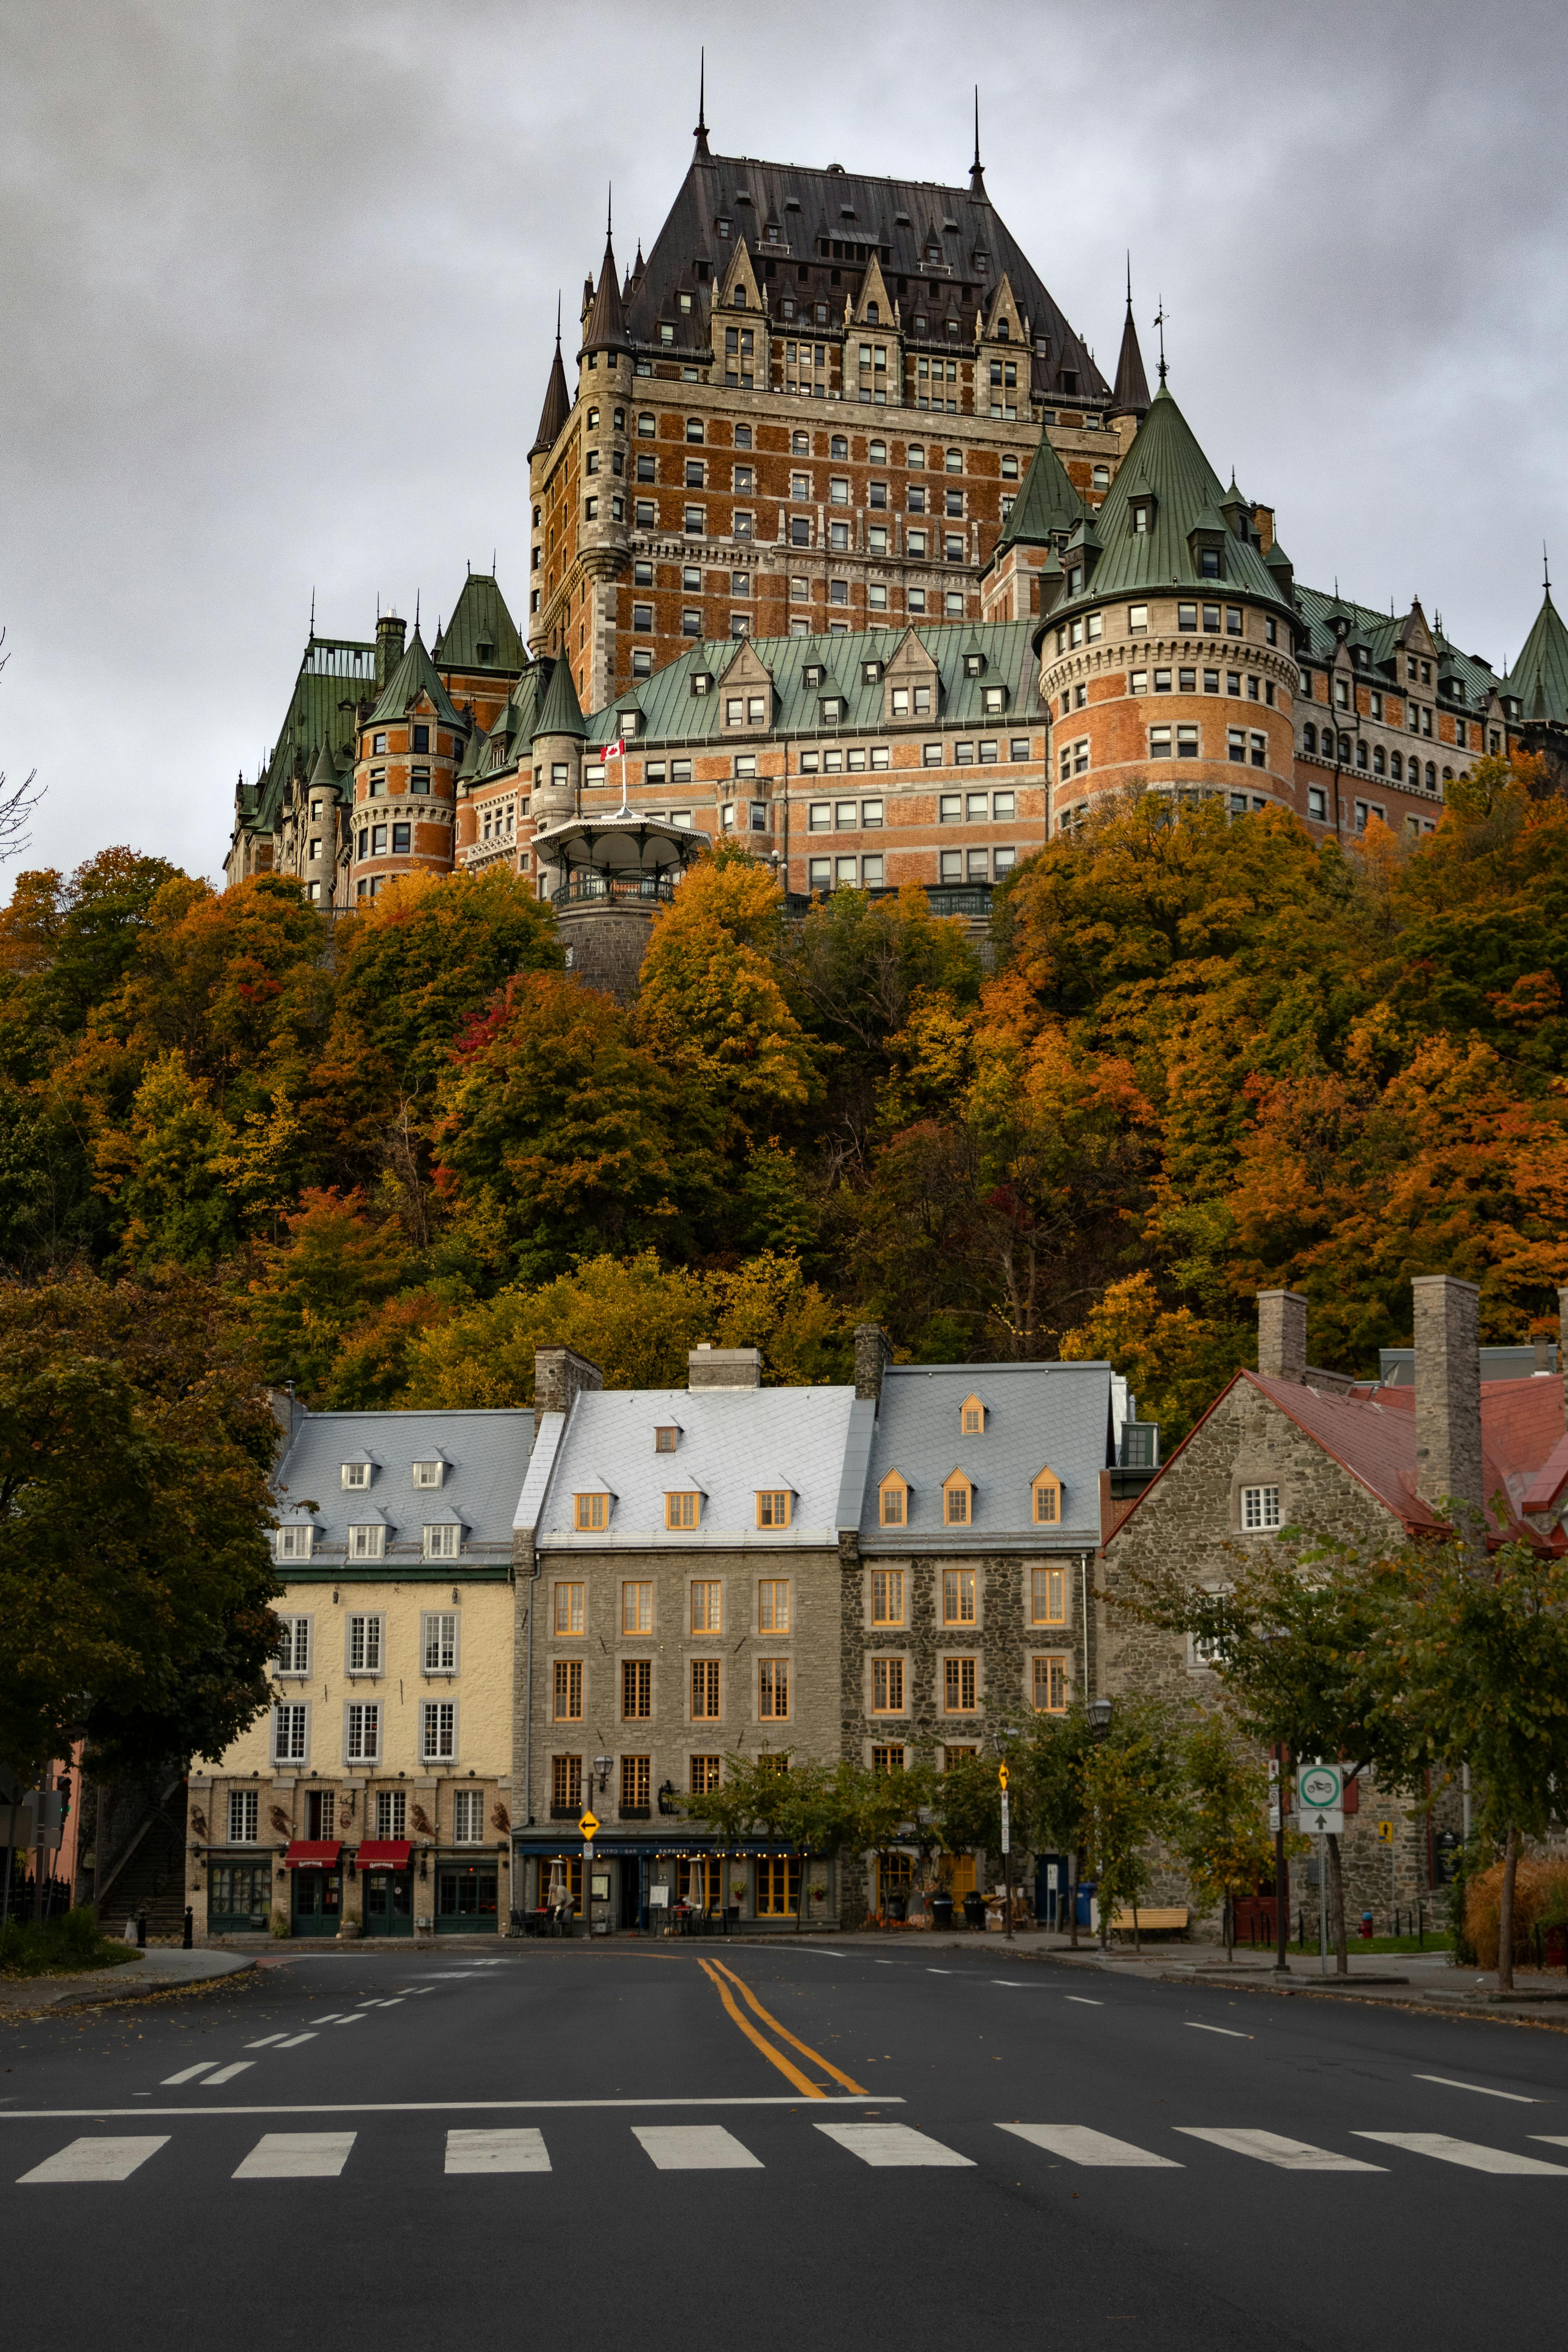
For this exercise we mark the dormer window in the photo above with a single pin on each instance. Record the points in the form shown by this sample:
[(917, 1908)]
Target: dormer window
[(972, 1417), (701, 681), (995, 700), (1143, 513), (973, 665), (628, 722), (721, 227), (591, 1512), (682, 1508), (429, 1474), (665, 1438), (893, 1503), (873, 314), (871, 672), (1046, 1506), (832, 708), (739, 298), (294, 1543), (957, 1500), (367, 1541), (812, 673), (356, 1475), (773, 1506), (443, 1540)]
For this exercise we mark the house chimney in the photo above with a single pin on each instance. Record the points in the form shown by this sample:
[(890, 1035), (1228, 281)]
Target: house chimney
[(1282, 1335), (873, 1354), (559, 1374), (707, 1367), (1447, 1391), (389, 632)]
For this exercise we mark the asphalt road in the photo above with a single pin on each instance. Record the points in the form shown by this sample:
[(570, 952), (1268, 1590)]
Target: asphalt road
[(572, 2146)]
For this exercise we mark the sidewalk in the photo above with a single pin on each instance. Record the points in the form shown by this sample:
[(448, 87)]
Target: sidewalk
[(157, 1970)]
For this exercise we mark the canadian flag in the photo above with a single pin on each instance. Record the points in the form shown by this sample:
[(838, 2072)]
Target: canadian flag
[(616, 750)]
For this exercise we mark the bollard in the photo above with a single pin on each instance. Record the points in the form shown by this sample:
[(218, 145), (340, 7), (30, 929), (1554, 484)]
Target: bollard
[(141, 1931), (189, 1938)]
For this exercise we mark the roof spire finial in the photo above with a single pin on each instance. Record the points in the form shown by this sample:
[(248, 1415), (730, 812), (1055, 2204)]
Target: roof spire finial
[(977, 169), (1545, 573), (609, 214), (701, 134), (417, 612), (314, 612), (1159, 323), (558, 318)]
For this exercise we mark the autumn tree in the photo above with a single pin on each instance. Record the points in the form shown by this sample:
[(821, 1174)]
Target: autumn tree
[(1221, 1827)]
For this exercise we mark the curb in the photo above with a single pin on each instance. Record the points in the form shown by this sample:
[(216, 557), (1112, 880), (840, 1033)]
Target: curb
[(102, 1995)]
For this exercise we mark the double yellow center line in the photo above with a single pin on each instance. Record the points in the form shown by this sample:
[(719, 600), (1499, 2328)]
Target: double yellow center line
[(723, 1978)]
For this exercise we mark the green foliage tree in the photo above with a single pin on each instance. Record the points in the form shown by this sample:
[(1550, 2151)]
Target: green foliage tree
[(1221, 1829), (1054, 1757), (1129, 1780)]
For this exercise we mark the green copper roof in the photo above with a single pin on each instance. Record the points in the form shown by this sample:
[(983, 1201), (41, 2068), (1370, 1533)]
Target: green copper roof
[(335, 671), (1378, 634), (562, 714), (481, 634), (1165, 465), (414, 675), (1538, 678), (1047, 504)]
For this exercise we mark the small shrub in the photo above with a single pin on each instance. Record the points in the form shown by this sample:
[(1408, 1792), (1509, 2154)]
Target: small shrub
[(57, 1946), (1540, 1900), (281, 1926)]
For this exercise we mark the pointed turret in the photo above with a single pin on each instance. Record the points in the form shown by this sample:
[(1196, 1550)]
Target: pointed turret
[(557, 399), (1048, 507), (700, 154), (415, 676), (606, 330), (1538, 682), (324, 775), (1130, 396), (562, 713)]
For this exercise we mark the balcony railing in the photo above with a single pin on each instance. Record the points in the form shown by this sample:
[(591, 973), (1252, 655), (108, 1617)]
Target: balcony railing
[(969, 898), (586, 885), (636, 1813), (567, 1813)]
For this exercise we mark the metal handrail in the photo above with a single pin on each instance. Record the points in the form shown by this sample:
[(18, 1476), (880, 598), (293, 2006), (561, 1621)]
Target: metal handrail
[(586, 885)]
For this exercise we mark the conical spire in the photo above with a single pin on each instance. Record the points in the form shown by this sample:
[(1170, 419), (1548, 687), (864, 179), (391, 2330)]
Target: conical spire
[(1048, 507), (701, 134), (607, 327), (1131, 396), (1538, 678), (562, 713), (557, 399), (415, 675), (324, 774), (977, 169)]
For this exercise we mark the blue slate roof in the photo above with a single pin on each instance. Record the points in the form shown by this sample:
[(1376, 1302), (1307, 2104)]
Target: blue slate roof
[(1062, 1417), (486, 1460)]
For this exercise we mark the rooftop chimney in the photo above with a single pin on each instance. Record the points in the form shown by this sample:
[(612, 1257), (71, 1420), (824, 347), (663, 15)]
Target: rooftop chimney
[(559, 1374), (707, 1367), (1282, 1335), (873, 1354), (1447, 1391), (389, 631)]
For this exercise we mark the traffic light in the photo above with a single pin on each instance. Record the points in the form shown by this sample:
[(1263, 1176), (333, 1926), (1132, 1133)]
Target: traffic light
[(63, 1784)]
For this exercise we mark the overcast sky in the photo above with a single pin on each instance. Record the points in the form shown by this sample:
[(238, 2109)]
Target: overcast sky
[(277, 285)]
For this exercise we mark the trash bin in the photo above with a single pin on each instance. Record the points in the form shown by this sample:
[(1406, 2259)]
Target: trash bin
[(896, 1905), (975, 1909), (941, 1910)]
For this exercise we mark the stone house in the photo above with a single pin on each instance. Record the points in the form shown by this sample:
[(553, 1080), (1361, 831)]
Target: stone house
[(1287, 1448), (375, 1794)]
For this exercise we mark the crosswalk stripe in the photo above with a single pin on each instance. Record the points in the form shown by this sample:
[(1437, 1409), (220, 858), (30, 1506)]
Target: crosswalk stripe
[(294, 2041), (892, 2144), (95, 2159), (1451, 2083), (1270, 2147), (695, 2147), (297, 2155), (228, 2073), (1552, 2139), (357, 2019), (265, 2042), (519, 2150), (1079, 2145), (1467, 2152), (189, 2074)]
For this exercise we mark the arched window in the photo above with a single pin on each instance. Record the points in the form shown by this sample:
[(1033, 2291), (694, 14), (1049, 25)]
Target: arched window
[(1344, 750), (1309, 737), (1431, 775), (1396, 766), (839, 447), (1448, 775), (1379, 760), (873, 315)]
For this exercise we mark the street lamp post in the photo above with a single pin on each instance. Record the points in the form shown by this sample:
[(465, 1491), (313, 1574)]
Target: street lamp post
[(1100, 1712), (598, 1780)]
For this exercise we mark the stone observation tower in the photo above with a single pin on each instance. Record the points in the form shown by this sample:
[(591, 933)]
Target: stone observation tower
[(605, 875)]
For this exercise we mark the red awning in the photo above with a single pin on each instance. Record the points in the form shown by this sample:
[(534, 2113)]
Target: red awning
[(312, 1853), (384, 1854)]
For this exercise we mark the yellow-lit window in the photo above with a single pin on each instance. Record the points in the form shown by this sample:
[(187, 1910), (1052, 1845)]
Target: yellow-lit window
[(1050, 1677), (773, 1507), (568, 1690), (961, 1754), (636, 1609), (887, 1685), (705, 1690), (778, 1886), (1047, 1491), (893, 1495), (886, 1596), (1047, 1597), (636, 1775), (682, 1508), (704, 1774), (958, 1601), (706, 1608), (637, 1690), (569, 1608), (958, 1676), (566, 1783), (887, 1759), (773, 1689), (772, 1605), (593, 1512), (955, 1502)]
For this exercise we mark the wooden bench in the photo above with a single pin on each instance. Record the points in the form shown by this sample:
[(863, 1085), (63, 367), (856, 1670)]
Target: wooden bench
[(1150, 1923)]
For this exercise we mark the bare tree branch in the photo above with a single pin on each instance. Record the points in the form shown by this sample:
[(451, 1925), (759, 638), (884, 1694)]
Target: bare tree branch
[(18, 802)]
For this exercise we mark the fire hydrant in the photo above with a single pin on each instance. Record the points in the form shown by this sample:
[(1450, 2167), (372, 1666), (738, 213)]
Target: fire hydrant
[(1366, 1926)]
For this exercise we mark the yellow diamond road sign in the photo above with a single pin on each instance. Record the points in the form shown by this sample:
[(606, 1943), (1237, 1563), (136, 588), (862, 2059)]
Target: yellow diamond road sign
[(588, 1824)]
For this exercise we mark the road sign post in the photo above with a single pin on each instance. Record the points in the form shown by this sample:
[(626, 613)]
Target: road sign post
[(1007, 1857), (1386, 1837), (588, 1822), (1321, 1808)]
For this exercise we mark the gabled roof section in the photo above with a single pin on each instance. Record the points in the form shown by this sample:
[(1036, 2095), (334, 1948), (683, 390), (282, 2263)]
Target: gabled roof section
[(894, 219), (557, 403), (1539, 680), (486, 1455), (562, 713), (481, 634), (416, 676), (1382, 636), (1166, 465), (1047, 506), (1062, 1410)]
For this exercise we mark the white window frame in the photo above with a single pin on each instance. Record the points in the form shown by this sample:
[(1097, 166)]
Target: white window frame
[(295, 1542), (427, 1484), (1257, 1508), (373, 1641), (361, 1731), (296, 1751), (367, 1540), (432, 1730), (391, 1813), (356, 1477), (297, 1647), (443, 1540), (436, 1656), (468, 1817), (243, 1816)]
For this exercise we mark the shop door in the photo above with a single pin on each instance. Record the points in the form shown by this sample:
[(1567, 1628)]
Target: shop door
[(632, 1898), (465, 1899), (317, 1902), (389, 1903)]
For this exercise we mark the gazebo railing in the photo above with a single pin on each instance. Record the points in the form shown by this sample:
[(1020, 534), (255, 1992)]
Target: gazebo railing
[(585, 885)]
